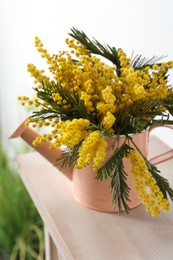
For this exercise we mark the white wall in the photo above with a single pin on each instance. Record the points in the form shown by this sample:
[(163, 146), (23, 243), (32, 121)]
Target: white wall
[(141, 25)]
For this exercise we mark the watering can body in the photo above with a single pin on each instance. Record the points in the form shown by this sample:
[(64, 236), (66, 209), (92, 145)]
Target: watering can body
[(87, 189)]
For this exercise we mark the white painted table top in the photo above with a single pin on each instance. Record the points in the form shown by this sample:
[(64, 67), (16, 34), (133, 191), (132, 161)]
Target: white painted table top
[(83, 234)]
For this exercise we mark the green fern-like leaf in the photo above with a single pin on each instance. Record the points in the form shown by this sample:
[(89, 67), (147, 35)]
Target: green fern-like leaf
[(114, 170), (168, 103), (95, 47), (162, 182), (54, 110), (138, 116), (139, 62), (111, 53), (68, 157)]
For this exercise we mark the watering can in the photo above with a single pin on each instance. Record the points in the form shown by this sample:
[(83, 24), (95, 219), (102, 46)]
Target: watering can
[(87, 190)]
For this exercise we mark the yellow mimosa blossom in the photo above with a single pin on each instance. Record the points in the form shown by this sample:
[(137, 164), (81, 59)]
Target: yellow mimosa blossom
[(57, 98), (108, 102), (150, 193), (37, 74), (93, 149), (138, 92), (85, 99), (72, 132), (108, 121), (43, 51), (123, 58), (78, 48)]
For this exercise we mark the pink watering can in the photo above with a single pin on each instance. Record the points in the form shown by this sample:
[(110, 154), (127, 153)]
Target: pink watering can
[(87, 190)]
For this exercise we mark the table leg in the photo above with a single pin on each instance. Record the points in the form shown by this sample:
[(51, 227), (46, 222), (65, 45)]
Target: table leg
[(51, 252)]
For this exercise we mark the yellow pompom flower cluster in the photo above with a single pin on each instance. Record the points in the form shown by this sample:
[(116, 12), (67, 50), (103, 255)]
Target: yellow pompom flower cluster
[(108, 103), (93, 149), (108, 121), (77, 48), (98, 85), (70, 133), (124, 61), (104, 93), (37, 74), (87, 101), (138, 91), (150, 193), (83, 100), (41, 50), (24, 100)]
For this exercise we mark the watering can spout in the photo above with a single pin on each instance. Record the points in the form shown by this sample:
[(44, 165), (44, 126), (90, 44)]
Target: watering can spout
[(29, 135)]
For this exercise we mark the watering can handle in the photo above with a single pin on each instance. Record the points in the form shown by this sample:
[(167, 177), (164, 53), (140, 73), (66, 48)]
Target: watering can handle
[(164, 156)]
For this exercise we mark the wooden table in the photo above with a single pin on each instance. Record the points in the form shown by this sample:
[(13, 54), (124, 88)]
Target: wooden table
[(82, 234)]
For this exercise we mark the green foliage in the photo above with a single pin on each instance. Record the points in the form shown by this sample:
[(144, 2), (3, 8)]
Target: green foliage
[(111, 53), (95, 47), (53, 110), (21, 228), (133, 118), (168, 103), (162, 183), (114, 170), (139, 116), (68, 157), (139, 62)]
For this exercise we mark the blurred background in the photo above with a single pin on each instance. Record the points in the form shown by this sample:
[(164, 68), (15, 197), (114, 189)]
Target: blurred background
[(142, 26)]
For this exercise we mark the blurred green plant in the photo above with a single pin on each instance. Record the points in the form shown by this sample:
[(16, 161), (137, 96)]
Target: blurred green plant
[(21, 228)]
